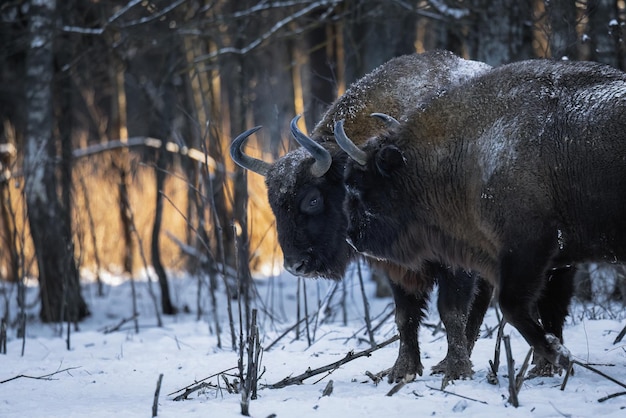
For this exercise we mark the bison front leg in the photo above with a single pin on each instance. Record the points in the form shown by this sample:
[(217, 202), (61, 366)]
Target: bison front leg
[(521, 282), (456, 296), (410, 311), (552, 308)]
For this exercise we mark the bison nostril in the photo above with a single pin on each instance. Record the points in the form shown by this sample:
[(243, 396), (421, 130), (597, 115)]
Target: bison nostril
[(297, 268)]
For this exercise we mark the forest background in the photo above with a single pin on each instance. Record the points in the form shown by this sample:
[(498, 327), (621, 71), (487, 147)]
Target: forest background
[(117, 117)]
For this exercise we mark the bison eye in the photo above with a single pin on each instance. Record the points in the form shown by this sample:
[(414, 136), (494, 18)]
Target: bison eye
[(389, 159), (312, 203)]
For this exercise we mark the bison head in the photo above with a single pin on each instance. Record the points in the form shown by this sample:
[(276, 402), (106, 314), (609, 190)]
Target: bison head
[(376, 203), (305, 190)]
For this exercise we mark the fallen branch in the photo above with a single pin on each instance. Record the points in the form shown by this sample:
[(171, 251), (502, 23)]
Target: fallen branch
[(298, 380), (194, 384), (378, 377), (614, 395), (396, 388), (43, 377), (606, 376), (183, 396), (620, 336), (108, 330), (456, 394), (328, 389)]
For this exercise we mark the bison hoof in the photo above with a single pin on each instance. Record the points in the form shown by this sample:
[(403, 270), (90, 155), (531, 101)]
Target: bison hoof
[(404, 369), (543, 368), (560, 354), (454, 369)]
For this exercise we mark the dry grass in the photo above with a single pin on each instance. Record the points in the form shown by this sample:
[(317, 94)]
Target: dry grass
[(96, 186)]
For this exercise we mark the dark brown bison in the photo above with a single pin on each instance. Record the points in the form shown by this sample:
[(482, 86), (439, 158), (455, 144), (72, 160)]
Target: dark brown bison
[(306, 193), (517, 174)]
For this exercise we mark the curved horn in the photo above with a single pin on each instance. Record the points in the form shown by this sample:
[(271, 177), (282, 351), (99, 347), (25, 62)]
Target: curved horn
[(243, 160), (390, 121), (356, 153), (323, 159)]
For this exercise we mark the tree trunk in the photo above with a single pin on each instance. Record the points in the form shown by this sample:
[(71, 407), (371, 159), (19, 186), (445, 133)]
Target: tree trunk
[(160, 173), (562, 17), (604, 32), (61, 298), (375, 32), (501, 31)]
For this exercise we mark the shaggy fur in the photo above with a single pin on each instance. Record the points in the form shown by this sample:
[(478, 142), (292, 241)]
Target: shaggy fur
[(311, 224), (518, 174)]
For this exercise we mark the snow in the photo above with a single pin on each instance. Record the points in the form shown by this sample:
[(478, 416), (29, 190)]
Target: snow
[(116, 373)]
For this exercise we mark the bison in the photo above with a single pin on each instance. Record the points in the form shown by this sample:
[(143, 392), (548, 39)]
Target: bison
[(306, 193), (517, 174)]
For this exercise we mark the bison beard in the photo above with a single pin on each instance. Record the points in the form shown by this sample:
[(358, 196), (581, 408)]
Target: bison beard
[(518, 174)]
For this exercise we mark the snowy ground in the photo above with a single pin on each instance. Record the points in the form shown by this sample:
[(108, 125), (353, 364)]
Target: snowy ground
[(116, 373)]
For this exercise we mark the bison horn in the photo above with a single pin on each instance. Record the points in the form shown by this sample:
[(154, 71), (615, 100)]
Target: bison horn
[(323, 159), (245, 161), (348, 146), (390, 121)]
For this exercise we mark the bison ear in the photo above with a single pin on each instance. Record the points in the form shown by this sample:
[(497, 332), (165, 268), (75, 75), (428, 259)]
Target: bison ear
[(388, 159)]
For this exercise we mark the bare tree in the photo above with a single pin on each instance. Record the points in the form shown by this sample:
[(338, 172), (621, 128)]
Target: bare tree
[(501, 31), (605, 33), (61, 298), (563, 20)]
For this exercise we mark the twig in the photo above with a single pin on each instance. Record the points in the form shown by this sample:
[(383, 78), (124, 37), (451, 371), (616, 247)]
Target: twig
[(43, 377), (511, 367), (297, 380), (378, 377), (456, 394), (396, 388), (614, 395), (519, 380), (492, 376), (606, 376), (620, 336), (328, 389), (567, 374), (155, 402), (200, 381), (191, 389), (3, 336), (366, 308), (287, 331), (117, 327)]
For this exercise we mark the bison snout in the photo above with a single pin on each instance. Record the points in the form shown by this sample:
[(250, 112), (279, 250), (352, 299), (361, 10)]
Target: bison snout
[(296, 266)]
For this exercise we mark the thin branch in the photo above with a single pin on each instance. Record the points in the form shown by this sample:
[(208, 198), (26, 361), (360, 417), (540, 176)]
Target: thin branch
[(606, 376), (193, 389), (100, 31), (108, 330), (155, 402), (43, 377), (456, 394), (287, 331), (186, 388), (147, 141), (511, 367), (263, 37), (297, 380), (620, 336), (614, 395), (153, 17), (366, 310)]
